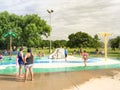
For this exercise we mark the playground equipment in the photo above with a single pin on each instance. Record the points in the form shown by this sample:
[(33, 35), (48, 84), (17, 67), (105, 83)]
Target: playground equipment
[(57, 54), (10, 34)]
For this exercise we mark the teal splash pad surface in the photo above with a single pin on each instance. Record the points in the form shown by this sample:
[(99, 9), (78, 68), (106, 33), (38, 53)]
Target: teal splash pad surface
[(48, 65)]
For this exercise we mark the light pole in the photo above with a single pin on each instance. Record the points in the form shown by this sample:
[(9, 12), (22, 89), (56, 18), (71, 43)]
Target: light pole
[(50, 12), (105, 35)]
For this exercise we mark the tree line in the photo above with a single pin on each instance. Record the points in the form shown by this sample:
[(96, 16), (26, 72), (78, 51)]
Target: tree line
[(30, 29)]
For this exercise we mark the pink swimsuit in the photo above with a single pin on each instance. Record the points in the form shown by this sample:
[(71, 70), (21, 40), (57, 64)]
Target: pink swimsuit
[(84, 55)]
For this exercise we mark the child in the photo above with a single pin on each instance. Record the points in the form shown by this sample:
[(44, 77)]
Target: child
[(85, 56), (39, 55), (1, 57)]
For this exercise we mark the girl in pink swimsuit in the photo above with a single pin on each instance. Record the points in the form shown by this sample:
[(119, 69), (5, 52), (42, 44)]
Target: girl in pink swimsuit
[(85, 57)]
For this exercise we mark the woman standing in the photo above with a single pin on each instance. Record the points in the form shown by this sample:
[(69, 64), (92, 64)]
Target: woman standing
[(20, 61), (66, 53), (28, 60)]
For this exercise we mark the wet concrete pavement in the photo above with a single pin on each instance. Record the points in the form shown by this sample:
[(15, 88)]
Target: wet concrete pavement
[(53, 81)]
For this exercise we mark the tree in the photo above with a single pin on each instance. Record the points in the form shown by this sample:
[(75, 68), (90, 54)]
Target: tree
[(29, 29), (45, 43), (80, 39), (114, 42), (32, 29), (3, 26), (59, 43), (96, 42)]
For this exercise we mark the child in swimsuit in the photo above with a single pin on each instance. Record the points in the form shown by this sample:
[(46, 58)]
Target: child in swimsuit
[(85, 57), (1, 57)]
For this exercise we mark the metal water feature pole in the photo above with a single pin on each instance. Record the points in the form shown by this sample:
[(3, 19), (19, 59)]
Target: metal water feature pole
[(105, 35)]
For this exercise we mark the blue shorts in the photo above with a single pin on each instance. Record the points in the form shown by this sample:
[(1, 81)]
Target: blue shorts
[(20, 63)]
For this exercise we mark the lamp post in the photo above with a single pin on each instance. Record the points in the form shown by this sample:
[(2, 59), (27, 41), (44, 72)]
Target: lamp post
[(50, 12), (105, 35)]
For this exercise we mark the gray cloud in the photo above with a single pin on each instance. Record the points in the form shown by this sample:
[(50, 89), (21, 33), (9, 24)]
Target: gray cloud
[(71, 16)]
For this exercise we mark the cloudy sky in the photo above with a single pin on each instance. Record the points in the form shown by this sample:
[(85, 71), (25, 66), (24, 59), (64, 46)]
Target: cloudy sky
[(71, 16)]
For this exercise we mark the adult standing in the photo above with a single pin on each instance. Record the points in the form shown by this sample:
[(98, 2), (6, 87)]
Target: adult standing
[(20, 61), (28, 60), (66, 54)]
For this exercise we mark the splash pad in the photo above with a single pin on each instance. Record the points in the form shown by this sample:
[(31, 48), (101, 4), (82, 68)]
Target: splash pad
[(44, 64)]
